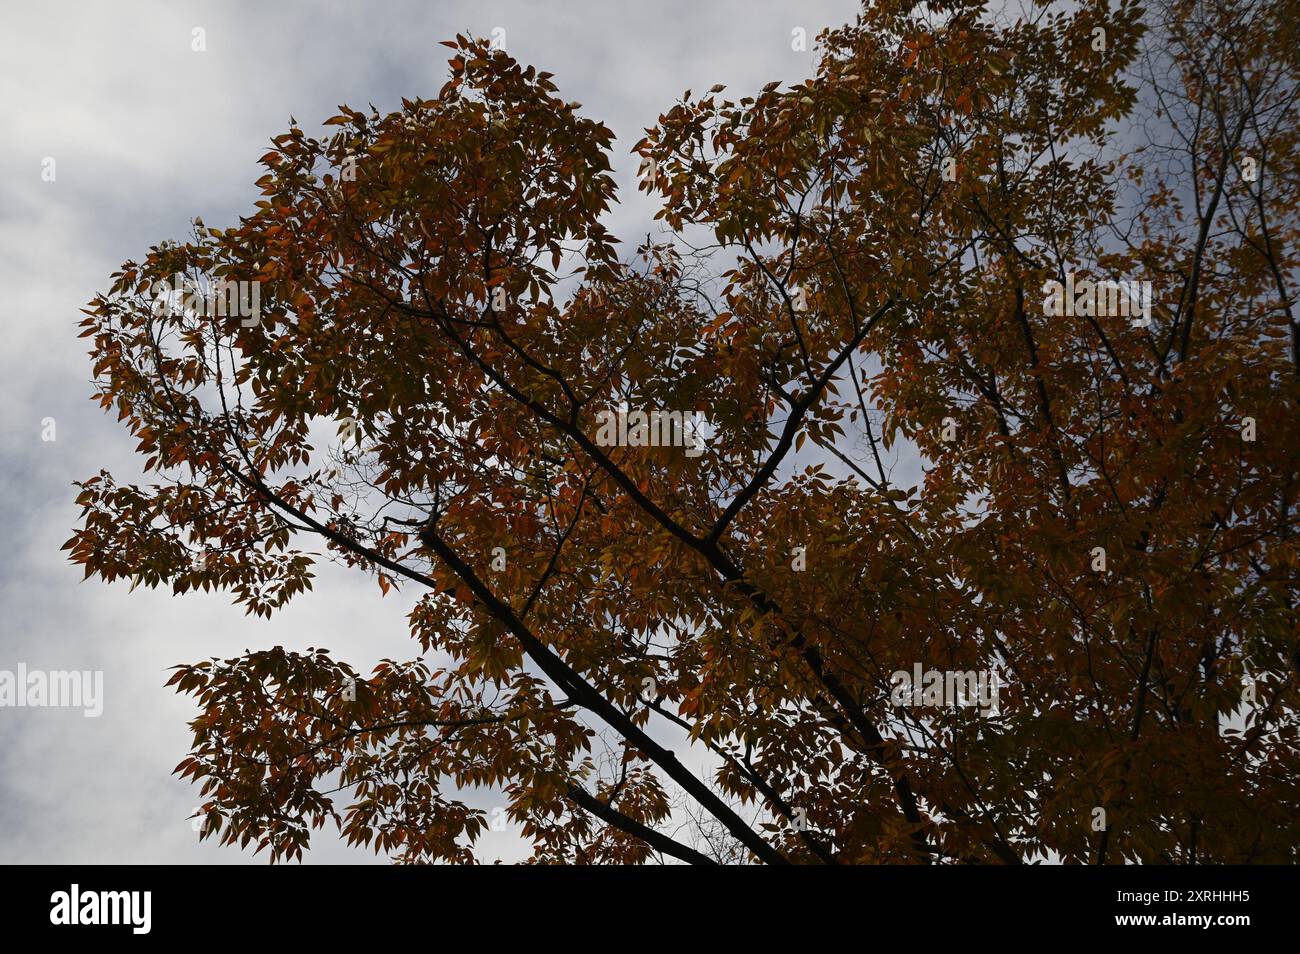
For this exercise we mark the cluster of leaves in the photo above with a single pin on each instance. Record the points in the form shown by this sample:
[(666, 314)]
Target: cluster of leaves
[(437, 282)]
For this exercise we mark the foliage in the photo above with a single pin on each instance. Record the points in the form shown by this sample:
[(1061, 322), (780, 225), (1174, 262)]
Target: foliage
[(829, 298)]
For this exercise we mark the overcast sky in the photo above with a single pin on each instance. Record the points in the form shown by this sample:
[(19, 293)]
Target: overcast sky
[(146, 134)]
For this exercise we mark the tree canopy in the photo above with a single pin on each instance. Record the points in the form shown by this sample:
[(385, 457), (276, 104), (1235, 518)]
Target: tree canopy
[(851, 271)]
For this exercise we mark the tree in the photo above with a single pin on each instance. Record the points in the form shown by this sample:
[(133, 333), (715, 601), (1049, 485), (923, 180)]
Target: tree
[(1054, 257)]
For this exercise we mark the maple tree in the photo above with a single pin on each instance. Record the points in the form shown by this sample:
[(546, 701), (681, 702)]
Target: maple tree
[(853, 269)]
